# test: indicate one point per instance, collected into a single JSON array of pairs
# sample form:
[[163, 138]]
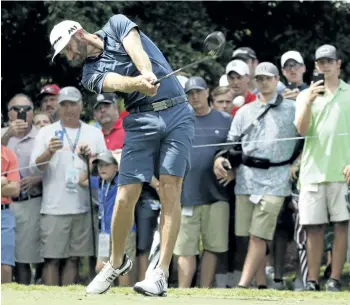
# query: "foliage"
[[178, 28]]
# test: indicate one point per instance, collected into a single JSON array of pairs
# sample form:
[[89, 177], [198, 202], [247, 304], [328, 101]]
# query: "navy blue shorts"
[[165, 135]]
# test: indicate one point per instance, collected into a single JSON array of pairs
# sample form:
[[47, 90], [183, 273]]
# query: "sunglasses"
[[19, 108]]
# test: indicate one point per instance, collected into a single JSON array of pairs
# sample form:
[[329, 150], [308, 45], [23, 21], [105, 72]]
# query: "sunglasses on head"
[[19, 108]]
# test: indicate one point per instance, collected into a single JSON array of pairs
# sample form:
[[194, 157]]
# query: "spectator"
[[41, 119], [107, 184], [65, 220], [260, 191], [10, 187], [323, 111], [48, 100], [205, 210], [20, 137], [248, 55], [107, 115], [293, 70], [237, 72], [222, 98]]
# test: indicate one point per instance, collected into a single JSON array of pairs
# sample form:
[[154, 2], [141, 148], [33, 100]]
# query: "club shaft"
[[183, 68]]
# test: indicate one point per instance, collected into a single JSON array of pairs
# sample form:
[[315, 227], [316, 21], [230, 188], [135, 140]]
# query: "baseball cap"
[[105, 156], [51, 89], [195, 82], [62, 33], [244, 53], [71, 94], [295, 55], [326, 51], [106, 98], [238, 66], [266, 68]]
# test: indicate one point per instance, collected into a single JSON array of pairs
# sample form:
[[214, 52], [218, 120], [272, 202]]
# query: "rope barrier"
[[211, 145]]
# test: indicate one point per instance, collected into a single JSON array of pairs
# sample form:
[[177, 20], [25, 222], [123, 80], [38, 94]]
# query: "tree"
[[178, 28]]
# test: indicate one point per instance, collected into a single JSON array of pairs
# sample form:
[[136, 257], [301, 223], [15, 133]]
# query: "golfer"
[[159, 132]]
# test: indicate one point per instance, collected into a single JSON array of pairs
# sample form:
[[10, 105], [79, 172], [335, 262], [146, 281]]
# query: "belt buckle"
[[158, 106]]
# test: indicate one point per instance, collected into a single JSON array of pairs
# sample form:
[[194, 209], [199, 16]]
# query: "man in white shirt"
[[66, 221]]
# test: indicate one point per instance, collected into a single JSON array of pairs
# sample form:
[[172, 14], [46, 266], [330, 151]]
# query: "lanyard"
[[103, 206], [72, 146]]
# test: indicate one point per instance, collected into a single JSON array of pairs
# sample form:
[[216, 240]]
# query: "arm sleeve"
[[100, 142], [121, 26], [299, 105], [13, 175], [236, 126], [38, 148], [93, 80]]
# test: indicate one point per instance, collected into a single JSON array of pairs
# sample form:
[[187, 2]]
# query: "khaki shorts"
[[28, 243], [211, 221], [130, 248], [64, 236], [257, 219], [324, 202]]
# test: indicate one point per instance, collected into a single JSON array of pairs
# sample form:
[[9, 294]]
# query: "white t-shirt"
[[57, 200]]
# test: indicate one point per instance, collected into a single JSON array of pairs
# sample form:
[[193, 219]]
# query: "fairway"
[[13, 294]]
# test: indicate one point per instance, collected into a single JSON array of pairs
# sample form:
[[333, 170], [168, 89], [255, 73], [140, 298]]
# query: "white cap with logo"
[[295, 55], [238, 66], [62, 33]]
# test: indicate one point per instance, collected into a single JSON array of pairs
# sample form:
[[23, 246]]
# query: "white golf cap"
[[62, 33], [295, 55], [238, 66]]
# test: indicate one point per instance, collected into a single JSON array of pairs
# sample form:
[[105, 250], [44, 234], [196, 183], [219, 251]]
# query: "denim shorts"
[[159, 140], [8, 237]]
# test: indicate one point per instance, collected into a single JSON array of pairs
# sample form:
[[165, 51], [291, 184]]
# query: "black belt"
[[159, 106], [25, 198], [5, 206]]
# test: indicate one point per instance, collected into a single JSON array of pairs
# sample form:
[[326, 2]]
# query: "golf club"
[[214, 46]]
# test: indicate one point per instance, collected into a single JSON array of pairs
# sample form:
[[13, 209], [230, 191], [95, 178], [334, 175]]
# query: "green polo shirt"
[[325, 157]]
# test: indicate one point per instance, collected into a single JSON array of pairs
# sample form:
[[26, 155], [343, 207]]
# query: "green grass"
[[13, 294]]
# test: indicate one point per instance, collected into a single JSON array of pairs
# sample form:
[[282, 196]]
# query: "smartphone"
[[317, 76], [22, 115], [59, 134], [292, 86]]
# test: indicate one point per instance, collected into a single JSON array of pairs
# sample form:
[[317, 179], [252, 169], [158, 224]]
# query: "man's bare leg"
[[70, 271], [51, 273], [143, 264], [123, 220], [169, 193], [6, 274], [208, 266], [340, 246], [314, 247], [254, 260], [186, 268]]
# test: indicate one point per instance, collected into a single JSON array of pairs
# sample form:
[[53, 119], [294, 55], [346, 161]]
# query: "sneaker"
[[298, 285], [155, 284], [279, 285], [333, 285], [103, 281], [312, 286]]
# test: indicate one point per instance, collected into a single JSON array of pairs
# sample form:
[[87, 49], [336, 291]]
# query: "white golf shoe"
[[155, 284], [103, 281]]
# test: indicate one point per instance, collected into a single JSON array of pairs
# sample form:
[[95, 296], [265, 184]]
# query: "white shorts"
[[323, 203]]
